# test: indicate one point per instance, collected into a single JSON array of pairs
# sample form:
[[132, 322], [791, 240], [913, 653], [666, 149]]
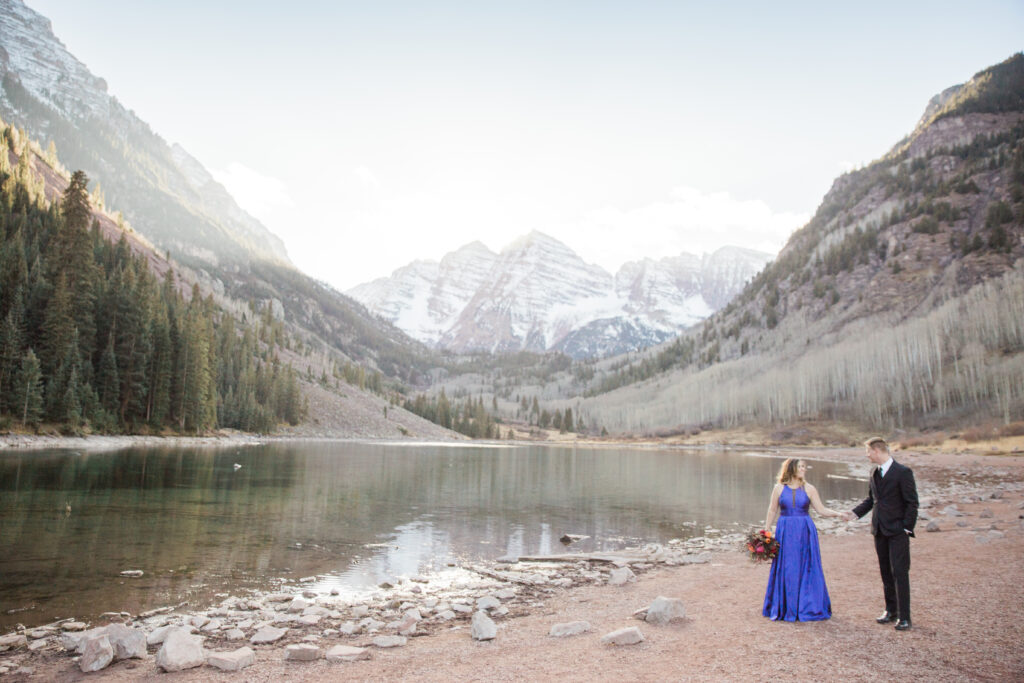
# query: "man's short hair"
[[877, 443]]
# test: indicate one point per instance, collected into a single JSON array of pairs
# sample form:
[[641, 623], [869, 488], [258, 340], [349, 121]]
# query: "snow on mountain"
[[538, 295], [29, 49], [45, 88]]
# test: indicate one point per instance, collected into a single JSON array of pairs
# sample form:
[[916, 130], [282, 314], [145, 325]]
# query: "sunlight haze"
[[367, 136]]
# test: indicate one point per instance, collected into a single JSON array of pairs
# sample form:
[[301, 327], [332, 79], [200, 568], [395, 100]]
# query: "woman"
[[796, 585]]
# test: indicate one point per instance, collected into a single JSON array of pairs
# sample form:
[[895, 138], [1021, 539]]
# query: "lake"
[[352, 514]]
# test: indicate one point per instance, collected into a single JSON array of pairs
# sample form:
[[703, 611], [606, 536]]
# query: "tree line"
[[92, 340]]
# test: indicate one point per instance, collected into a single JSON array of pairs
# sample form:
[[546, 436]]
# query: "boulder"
[[505, 594], [461, 608], [572, 628], [360, 611], [298, 604], [128, 643], [933, 526], [624, 636], [310, 619], [181, 650], [446, 615], [268, 634], [97, 653], [389, 641], [14, 641], [665, 610], [73, 626], [346, 653], [302, 652], [621, 576], [232, 661], [951, 511], [483, 627], [348, 628], [487, 602]]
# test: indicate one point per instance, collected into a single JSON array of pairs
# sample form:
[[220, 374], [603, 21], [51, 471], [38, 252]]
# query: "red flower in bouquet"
[[761, 545]]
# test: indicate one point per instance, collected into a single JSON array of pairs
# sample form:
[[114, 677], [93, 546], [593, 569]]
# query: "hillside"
[[901, 303], [175, 203]]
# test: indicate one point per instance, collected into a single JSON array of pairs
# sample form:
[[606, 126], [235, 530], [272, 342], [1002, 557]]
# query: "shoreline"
[[542, 591]]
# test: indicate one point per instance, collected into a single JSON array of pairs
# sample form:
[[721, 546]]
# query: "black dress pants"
[[894, 563]]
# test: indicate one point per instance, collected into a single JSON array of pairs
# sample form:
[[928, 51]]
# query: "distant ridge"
[[537, 294]]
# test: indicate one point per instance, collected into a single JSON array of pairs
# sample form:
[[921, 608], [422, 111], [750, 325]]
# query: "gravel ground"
[[965, 595]]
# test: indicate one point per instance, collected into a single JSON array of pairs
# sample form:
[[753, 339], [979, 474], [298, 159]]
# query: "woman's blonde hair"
[[787, 472]]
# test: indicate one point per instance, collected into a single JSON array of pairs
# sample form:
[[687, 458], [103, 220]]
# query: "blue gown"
[[796, 584]]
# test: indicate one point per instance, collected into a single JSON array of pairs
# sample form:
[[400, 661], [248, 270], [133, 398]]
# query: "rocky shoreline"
[[297, 623]]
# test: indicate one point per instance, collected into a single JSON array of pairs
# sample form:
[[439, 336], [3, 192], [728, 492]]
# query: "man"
[[892, 495]]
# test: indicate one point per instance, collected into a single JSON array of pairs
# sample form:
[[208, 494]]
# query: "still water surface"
[[353, 514]]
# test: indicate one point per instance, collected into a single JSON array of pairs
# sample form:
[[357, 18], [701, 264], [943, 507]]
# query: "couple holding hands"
[[796, 585]]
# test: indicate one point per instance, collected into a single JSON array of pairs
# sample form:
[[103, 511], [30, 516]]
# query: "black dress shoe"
[[886, 618], [904, 625]]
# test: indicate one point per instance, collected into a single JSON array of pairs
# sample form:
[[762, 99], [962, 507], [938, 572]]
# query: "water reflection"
[[354, 514]]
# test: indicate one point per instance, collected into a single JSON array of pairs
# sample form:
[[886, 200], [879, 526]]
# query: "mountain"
[[539, 295], [901, 302], [172, 200]]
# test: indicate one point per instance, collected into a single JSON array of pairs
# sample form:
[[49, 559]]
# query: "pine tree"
[[28, 389]]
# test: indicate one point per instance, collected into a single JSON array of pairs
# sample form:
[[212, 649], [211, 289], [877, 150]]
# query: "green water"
[[352, 514]]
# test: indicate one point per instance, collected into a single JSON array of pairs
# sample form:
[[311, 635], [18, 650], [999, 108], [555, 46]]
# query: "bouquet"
[[762, 546]]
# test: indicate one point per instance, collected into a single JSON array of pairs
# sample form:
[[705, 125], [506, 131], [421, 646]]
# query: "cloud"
[[690, 220], [261, 195]]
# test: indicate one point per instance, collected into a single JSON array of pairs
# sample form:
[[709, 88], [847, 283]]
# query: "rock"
[[37, 645], [346, 653], [665, 610], [505, 594], [97, 654], [180, 650], [298, 604], [38, 633], [73, 626], [309, 594], [302, 652], [369, 625], [213, 625], [996, 534], [157, 635], [348, 628], [932, 526], [508, 559], [986, 514], [982, 539], [407, 626], [951, 511], [962, 524], [461, 608], [483, 628], [310, 619], [700, 558], [232, 661], [389, 641], [199, 621], [487, 602], [278, 597], [134, 573], [446, 615], [268, 634], [572, 628], [234, 634], [128, 643], [13, 641], [621, 576], [624, 636]]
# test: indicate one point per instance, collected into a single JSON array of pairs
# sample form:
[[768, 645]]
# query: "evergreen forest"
[[92, 341]]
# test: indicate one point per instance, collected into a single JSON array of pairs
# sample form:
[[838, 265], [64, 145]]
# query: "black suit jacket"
[[893, 500]]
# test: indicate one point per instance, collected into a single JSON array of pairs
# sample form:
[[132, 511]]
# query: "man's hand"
[[849, 516]]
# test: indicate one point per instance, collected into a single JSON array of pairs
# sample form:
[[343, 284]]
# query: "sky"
[[370, 134]]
